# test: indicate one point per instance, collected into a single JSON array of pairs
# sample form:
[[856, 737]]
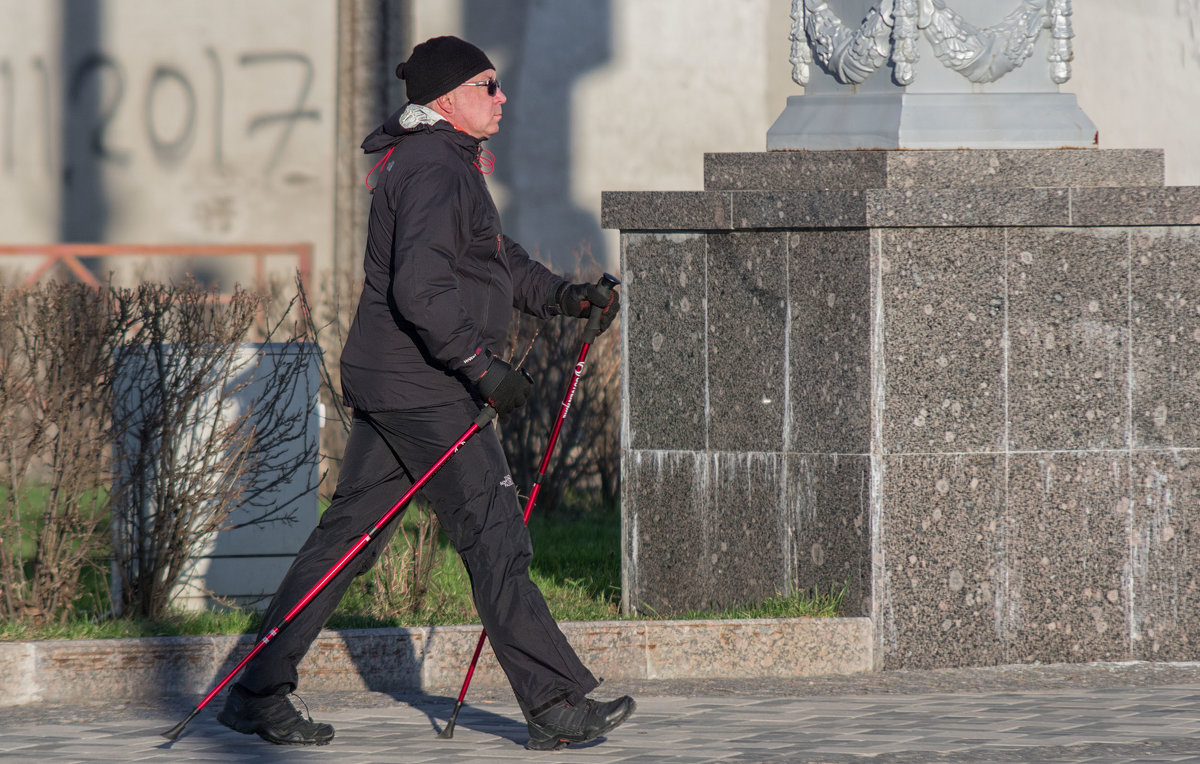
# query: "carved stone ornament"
[[891, 29]]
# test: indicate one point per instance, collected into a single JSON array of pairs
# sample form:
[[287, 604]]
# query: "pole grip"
[[485, 416], [605, 284]]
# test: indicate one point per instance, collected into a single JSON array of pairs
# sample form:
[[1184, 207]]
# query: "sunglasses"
[[492, 84]]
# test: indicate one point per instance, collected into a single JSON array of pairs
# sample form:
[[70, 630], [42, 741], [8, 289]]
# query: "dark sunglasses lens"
[[493, 86]]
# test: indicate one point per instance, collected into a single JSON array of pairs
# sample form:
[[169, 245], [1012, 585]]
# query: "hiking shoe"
[[271, 717], [565, 723]]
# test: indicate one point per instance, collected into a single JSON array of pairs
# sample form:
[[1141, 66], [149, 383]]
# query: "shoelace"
[[306, 715]]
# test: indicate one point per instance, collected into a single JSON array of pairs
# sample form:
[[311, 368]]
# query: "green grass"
[[180, 624], [576, 565], [31, 508]]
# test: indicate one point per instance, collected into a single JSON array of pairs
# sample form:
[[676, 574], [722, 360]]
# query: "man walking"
[[440, 282]]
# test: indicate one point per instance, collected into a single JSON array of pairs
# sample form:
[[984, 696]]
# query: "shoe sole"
[[553, 743], [280, 741]]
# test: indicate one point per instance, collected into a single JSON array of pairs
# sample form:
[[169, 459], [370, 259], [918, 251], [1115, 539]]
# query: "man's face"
[[476, 112]]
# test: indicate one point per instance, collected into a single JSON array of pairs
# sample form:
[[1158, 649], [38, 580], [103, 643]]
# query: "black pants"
[[477, 506]]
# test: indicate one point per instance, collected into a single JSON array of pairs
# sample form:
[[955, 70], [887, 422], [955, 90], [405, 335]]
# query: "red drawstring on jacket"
[[485, 161], [367, 180]]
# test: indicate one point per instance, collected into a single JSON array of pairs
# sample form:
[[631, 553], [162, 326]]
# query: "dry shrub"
[[327, 323], [199, 432], [56, 345], [131, 424], [60, 354], [584, 471], [401, 583]]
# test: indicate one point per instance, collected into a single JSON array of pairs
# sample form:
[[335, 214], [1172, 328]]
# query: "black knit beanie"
[[438, 66]]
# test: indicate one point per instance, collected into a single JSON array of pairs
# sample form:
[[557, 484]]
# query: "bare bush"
[[401, 583], [585, 468], [55, 345], [328, 325], [197, 433]]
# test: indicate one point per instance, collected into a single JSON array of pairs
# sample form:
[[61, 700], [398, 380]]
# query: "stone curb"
[[389, 660]]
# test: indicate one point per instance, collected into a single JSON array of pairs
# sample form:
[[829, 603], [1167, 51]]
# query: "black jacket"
[[440, 277]]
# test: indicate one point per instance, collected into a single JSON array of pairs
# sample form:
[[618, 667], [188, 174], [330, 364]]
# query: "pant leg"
[[476, 503], [371, 481]]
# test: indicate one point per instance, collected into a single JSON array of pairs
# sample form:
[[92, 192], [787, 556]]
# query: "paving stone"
[[1095, 713]]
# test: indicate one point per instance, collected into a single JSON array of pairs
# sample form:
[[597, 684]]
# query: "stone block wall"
[[960, 384]]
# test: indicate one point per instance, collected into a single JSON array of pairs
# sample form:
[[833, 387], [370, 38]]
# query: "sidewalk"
[[1129, 712]]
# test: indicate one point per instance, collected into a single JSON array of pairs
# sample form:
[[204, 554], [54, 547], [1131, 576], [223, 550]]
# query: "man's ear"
[[444, 104]]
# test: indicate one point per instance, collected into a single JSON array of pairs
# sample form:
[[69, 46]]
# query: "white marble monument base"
[[848, 120]]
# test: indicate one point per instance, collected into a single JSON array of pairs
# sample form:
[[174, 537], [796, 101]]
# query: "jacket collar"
[[415, 114], [414, 118]]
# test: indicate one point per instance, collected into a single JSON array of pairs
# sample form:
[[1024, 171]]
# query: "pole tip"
[[173, 733], [447, 731]]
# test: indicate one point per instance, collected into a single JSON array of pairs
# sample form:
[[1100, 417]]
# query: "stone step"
[[388, 660], [967, 169]]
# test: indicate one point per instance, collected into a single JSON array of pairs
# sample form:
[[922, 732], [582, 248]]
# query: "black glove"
[[504, 388], [577, 299]]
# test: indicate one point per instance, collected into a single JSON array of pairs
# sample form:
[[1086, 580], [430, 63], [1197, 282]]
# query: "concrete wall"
[[1135, 72], [224, 120], [186, 121], [181, 121]]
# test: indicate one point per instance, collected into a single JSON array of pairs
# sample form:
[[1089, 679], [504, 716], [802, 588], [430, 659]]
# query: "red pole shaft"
[[562, 414], [471, 671]]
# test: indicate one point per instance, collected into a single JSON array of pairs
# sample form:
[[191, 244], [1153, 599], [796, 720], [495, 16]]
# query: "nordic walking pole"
[[483, 420], [606, 284]]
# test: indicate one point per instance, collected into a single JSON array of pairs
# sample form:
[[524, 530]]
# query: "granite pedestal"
[[961, 385]]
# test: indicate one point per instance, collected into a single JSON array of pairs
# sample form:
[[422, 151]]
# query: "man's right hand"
[[504, 388], [578, 299]]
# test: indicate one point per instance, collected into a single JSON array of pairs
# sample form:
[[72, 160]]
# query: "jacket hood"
[[411, 119]]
